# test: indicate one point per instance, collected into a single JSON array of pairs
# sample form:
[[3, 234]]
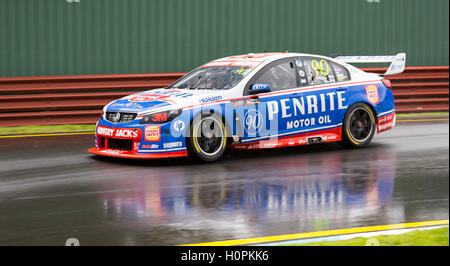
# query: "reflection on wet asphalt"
[[51, 189]]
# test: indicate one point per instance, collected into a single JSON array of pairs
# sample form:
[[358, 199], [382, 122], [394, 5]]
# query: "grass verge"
[[433, 114], [431, 237]]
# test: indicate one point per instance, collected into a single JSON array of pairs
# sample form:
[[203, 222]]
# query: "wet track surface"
[[51, 189]]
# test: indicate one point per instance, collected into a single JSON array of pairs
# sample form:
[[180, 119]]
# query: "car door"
[[315, 106], [262, 116]]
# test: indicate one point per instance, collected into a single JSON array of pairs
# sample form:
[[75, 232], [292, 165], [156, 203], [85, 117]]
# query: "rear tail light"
[[387, 83]]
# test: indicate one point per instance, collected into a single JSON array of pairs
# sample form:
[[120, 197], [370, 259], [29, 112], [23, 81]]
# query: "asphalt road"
[[51, 189]]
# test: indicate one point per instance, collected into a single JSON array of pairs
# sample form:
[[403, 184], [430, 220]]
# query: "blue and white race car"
[[253, 101]]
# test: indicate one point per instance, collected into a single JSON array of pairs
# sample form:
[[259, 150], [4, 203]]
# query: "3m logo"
[[372, 93], [159, 117], [152, 133]]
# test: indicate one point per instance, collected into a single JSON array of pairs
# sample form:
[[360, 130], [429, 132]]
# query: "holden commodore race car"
[[252, 101]]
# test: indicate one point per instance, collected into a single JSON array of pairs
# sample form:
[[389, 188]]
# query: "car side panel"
[[283, 117], [375, 94]]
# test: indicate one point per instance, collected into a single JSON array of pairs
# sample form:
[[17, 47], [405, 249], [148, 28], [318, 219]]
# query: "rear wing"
[[397, 66]]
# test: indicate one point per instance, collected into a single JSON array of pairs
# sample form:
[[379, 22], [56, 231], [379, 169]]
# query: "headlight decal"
[[160, 117]]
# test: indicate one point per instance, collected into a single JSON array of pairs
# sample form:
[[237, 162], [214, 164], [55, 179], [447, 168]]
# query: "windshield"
[[221, 78]]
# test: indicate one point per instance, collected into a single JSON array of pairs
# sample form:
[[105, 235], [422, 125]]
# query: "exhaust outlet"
[[314, 140]]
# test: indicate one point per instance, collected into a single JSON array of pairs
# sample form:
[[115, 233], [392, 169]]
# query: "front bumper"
[[137, 141]]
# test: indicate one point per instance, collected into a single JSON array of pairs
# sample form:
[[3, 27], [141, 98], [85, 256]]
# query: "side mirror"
[[259, 88]]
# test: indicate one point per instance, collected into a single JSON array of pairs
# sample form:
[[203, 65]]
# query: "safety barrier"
[[69, 99], [420, 89], [78, 99]]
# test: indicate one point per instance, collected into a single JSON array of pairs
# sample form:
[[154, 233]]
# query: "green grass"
[[432, 237], [45, 129]]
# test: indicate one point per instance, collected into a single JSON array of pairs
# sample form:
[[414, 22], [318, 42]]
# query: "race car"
[[252, 101]]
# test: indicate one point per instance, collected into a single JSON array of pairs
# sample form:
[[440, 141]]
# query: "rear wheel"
[[208, 139], [359, 126]]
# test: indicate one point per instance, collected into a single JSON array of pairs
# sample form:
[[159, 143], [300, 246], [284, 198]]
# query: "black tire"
[[208, 138], [359, 126]]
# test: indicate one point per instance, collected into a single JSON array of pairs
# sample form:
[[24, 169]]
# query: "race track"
[[51, 189]]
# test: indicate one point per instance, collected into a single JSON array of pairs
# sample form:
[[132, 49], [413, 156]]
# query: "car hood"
[[163, 99]]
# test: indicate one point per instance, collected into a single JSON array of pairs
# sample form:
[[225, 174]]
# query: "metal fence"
[[85, 37]]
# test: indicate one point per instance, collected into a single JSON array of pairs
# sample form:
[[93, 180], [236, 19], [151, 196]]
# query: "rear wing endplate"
[[397, 66]]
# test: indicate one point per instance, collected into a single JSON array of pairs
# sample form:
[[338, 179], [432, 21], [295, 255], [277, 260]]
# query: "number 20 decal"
[[319, 67]]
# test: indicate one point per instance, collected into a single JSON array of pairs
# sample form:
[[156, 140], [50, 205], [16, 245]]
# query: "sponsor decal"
[[162, 95], [152, 133], [105, 131], [242, 70], [372, 93], [249, 60], [136, 145], [179, 125], [126, 105], [366, 58], [174, 93], [301, 73], [171, 145], [152, 146], [301, 139], [237, 63], [325, 119], [149, 98], [309, 104], [386, 122], [159, 117], [253, 122], [114, 151], [296, 112], [210, 99], [237, 103], [124, 133]]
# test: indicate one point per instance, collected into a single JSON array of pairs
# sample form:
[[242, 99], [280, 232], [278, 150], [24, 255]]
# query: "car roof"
[[254, 59]]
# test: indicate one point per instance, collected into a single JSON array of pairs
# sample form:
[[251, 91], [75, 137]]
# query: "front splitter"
[[121, 154]]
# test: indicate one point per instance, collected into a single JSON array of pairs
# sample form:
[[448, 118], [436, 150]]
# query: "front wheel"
[[359, 126], [207, 140]]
